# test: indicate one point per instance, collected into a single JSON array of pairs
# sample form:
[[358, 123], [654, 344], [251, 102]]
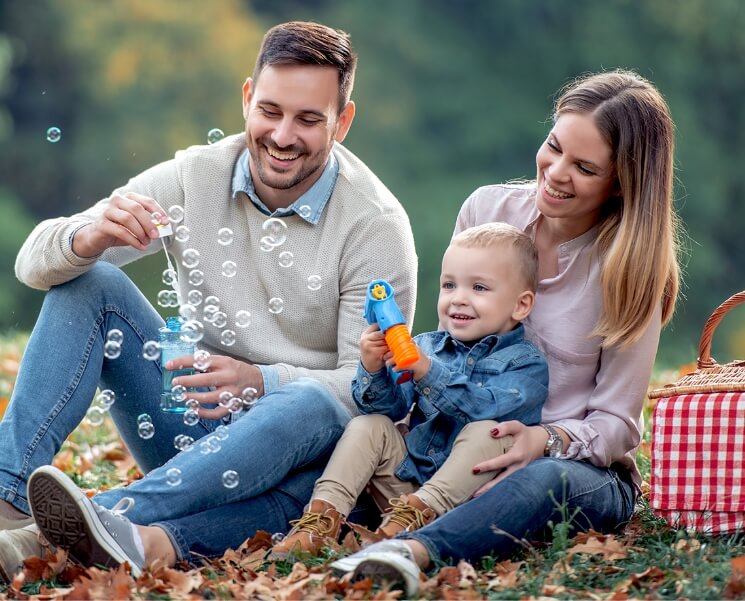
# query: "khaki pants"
[[371, 449]]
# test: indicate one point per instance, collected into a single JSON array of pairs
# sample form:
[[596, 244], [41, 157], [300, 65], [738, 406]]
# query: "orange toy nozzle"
[[402, 346]]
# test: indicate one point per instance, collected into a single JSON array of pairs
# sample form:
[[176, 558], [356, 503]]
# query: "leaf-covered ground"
[[648, 560]]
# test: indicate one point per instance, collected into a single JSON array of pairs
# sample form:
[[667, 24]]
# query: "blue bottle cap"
[[173, 324]]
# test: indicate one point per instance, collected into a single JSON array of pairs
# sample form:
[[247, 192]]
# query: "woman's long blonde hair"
[[639, 235]]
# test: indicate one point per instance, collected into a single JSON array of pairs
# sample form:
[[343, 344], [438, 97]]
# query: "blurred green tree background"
[[451, 95]]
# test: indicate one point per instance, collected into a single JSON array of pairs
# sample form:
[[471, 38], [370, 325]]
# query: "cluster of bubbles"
[[101, 404], [145, 427], [54, 134], [112, 347]]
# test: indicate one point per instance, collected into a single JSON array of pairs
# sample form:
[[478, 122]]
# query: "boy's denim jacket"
[[501, 377]]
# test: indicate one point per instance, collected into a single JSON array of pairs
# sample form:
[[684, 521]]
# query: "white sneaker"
[[388, 560]]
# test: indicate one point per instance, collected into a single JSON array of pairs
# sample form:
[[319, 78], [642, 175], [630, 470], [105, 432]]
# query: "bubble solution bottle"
[[171, 346]]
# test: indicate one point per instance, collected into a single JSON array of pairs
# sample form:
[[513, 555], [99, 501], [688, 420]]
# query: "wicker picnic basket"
[[698, 442]]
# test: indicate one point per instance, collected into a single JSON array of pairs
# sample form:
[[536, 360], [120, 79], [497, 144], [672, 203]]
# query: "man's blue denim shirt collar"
[[315, 198], [489, 343]]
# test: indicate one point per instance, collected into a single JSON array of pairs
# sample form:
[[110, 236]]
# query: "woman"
[[601, 215]]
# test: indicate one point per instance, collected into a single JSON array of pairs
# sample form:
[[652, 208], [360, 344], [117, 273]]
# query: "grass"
[[648, 560]]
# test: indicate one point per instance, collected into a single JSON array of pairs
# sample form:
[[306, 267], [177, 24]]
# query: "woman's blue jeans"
[[278, 448], [520, 507]]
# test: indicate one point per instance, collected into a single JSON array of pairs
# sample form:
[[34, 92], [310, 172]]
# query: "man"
[[288, 186]]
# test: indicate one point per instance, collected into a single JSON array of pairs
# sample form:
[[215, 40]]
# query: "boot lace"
[[313, 522], [405, 515]]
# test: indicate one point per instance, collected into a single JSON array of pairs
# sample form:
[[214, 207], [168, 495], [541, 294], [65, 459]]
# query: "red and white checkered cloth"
[[698, 461]]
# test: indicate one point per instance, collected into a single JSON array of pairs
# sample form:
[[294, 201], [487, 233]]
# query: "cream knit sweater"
[[363, 234]]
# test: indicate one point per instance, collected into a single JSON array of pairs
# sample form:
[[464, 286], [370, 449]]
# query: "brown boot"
[[318, 527], [407, 513]]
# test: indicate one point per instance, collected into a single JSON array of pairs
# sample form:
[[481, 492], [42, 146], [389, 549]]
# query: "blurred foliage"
[[451, 95]]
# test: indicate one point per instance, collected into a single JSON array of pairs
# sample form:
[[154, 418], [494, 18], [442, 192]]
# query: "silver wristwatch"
[[554, 444]]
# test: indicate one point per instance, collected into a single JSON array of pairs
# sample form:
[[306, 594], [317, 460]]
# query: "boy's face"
[[480, 292]]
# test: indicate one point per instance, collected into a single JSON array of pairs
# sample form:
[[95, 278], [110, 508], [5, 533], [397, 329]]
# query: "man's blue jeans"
[[278, 448], [521, 506]]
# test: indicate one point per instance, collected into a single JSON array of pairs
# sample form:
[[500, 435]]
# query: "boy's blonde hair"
[[493, 235]]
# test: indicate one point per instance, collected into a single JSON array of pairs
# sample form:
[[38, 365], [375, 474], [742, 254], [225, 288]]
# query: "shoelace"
[[315, 523], [122, 506], [405, 515]]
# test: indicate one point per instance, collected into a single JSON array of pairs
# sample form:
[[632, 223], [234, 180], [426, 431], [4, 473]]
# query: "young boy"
[[477, 369]]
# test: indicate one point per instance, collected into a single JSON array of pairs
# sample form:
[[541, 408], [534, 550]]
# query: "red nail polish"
[[476, 470], [495, 432]]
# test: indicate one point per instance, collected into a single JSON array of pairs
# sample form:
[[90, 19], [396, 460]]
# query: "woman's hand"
[[529, 444], [223, 374], [126, 221]]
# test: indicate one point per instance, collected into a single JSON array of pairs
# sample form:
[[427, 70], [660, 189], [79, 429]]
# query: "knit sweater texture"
[[363, 234]]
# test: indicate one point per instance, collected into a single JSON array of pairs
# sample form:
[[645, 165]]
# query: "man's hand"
[[127, 221], [224, 374], [529, 444]]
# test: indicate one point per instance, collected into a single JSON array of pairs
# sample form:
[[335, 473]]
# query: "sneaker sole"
[[385, 566], [65, 517]]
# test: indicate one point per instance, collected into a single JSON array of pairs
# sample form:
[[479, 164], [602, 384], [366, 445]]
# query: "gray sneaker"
[[388, 560], [67, 518], [17, 545]]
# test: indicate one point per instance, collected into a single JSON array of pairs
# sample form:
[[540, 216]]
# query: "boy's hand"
[[421, 367], [373, 349]]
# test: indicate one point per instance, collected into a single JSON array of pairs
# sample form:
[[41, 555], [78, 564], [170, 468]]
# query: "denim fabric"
[[291, 430], [521, 506], [501, 377]]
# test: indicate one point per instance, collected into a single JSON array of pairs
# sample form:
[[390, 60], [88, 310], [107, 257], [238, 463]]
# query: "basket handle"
[[704, 346]]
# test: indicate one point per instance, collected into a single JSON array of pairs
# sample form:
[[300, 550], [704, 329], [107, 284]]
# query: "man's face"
[[292, 120]]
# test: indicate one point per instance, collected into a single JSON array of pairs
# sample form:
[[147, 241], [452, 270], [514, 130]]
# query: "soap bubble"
[[192, 404], [225, 236], [182, 233], [194, 297], [212, 300], [146, 430], [276, 230], [227, 337], [183, 442], [155, 217], [201, 360], [151, 350], [314, 282], [196, 277], [229, 269], [144, 417], [304, 211], [220, 319], [190, 258], [224, 397], [179, 392], [95, 416], [286, 258], [164, 298], [242, 319], [169, 276], [115, 336], [230, 479], [192, 331], [276, 305], [187, 311], [249, 393], [266, 244], [215, 135], [191, 417], [278, 537], [106, 398], [176, 213], [204, 447], [54, 134], [221, 432], [173, 476], [235, 405], [112, 350]]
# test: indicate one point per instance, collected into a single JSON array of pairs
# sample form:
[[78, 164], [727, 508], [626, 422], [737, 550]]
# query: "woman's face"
[[576, 174]]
